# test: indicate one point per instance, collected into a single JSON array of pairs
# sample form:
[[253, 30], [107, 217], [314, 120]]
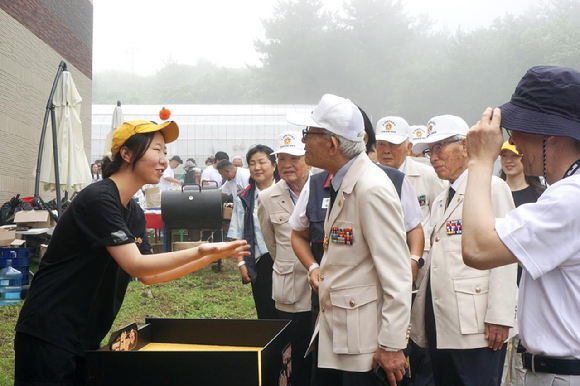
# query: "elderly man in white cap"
[[393, 148], [463, 315], [364, 286], [394, 144], [290, 287], [416, 134]]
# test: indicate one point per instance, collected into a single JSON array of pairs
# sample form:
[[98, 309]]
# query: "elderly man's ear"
[[334, 146], [463, 144]]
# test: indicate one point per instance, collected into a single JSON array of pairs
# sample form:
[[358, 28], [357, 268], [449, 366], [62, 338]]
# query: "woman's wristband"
[[240, 263]]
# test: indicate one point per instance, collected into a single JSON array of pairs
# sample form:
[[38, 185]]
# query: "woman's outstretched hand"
[[237, 248]]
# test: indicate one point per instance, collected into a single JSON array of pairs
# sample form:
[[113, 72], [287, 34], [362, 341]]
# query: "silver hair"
[[348, 148]]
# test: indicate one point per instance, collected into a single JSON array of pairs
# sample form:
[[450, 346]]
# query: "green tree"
[[293, 52]]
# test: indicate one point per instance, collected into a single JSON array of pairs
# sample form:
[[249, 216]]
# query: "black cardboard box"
[[264, 366]]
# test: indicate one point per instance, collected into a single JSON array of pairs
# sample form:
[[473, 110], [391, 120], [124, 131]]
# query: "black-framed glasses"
[[435, 148], [306, 132]]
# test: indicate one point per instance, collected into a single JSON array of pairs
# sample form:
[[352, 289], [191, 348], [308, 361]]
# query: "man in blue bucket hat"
[[543, 122]]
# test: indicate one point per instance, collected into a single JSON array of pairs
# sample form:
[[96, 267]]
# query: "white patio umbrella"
[[74, 169], [118, 120]]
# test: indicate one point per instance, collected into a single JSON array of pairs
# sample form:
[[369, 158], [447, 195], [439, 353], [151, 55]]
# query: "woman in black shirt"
[[99, 243], [525, 189]]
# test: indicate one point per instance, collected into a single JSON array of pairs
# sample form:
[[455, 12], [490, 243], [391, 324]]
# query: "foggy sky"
[[140, 36]]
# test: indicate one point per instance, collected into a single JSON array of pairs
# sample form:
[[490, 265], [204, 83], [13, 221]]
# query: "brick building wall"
[[35, 35]]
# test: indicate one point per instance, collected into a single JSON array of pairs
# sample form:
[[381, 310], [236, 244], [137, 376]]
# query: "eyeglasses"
[[306, 132], [435, 148]]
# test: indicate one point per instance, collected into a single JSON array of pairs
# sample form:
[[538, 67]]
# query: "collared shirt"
[[544, 237], [336, 179], [411, 210], [402, 167], [298, 220], [293, 195], [236, 230], [459, 180]]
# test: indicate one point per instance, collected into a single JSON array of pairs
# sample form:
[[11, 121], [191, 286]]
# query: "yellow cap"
[[169, 129], [508, 146]]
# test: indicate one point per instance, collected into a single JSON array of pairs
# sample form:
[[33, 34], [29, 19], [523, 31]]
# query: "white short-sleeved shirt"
[[411, 209], [163, 183], [211, 174], [545, 238], [238, 184]]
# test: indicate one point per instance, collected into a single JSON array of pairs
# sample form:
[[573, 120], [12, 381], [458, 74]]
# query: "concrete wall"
[[35, 35]]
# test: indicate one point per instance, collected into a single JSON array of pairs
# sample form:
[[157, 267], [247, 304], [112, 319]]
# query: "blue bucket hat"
[[545, 102]]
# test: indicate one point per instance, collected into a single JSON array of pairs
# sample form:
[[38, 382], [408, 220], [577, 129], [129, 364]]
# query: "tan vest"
[[290, 285]]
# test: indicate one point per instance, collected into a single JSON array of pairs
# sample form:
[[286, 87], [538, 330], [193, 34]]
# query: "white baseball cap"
[[417, 133], [392, 129], [290, 142], [440, 128], [338, 115]]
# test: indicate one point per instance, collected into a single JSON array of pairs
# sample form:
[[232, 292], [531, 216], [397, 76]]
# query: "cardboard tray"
[[34, 218], [135, 367]]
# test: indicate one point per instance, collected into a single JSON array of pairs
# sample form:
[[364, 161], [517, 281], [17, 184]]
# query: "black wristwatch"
[[420, 261]]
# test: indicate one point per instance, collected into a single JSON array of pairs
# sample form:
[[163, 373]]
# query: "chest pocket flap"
[[353, 297], [279, 218]]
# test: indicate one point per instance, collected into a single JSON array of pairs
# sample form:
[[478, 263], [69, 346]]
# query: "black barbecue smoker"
[[195, 208]]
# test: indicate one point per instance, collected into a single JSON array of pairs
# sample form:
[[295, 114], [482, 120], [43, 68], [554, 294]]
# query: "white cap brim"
[[302, 119], [423, 144], [392, 138], [296, 152]]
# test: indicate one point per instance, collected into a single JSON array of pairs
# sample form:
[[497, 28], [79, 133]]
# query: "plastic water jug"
[[10, 283]]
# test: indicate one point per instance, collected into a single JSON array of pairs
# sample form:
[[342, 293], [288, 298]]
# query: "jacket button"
[[477, 289], [339, 204], [322, 309], [321, 277], [351, 303], [280, 218], [437, 239]]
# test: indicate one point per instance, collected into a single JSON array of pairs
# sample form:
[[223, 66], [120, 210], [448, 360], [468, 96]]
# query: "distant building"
[[205, 129], [35, 36]]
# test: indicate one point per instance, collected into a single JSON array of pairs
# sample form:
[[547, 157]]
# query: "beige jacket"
[[365, 288], [428, 186], [464, 298], [290, 285]]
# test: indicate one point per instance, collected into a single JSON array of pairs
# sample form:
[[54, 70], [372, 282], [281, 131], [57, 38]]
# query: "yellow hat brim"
[[508, 146], [169, 130]]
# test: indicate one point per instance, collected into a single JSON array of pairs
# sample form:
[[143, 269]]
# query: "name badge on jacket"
[[341, 235], [325, 202], [454, 227]]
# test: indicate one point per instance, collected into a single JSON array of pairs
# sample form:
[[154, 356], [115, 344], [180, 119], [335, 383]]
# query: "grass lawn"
[[200, 295]]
